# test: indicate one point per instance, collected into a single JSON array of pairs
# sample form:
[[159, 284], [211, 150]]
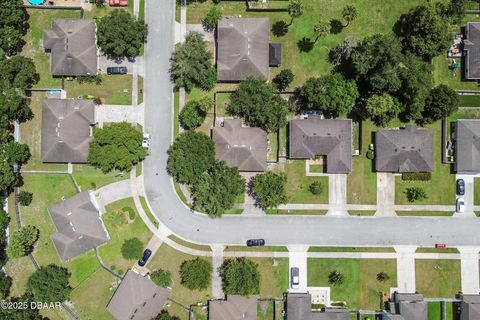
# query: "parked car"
[[295, 277], [146, 254], [255, 242], [440, 245], [460, 187], [116, 70], [146, 141], [460, 207]]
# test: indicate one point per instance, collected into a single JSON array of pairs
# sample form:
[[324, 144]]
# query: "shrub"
[[161, 278], [415, 194], [382, 277], [416, 176], [335, 278], [25, 198], [315, 188], [132, 249], [195, 274], [370, 154]]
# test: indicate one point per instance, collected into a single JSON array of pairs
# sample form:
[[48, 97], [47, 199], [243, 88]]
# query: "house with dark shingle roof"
[[406, 149], [314, 136], [242, 147], [137, 298], [79, 225], [73, 48], [299, 307], [406, 306], [242, 48], [470, 307], [67, 130], [234, 307], [467, 146], [471, 51]]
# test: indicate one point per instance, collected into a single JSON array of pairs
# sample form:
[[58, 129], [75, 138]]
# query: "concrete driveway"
[[297, 258], [119, 113], [385, 194], [469, 269], [104, 62], [406, 269], [337, 194], [469, 194]]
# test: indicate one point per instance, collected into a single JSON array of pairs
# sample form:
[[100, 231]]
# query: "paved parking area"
[[297, 257]]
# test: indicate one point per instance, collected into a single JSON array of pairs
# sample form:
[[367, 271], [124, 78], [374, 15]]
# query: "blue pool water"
[[36, 2]]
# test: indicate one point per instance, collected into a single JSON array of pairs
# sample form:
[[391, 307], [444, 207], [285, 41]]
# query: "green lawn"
[[469, 101], [150, 215], [476, 190], [261, 249], [425, 213], [360, 289], [89, 177], [114, 89], [438, 278], [298, 184], [351, 249], [361, 213], [436, 250], [362, 181], [273, 276], [443, 75], [190, 244], [297, 212], [441, 188]]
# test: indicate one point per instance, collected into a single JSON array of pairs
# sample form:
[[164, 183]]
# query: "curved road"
[[278, 230]]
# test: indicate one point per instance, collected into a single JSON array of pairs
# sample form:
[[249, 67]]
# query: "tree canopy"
[[332, 94], [349, 13], [441, 102], [295, 9], [270, 188], [283, 79], [5, 284], [240, 276], [217, 189], [194, 112], [191, 64], [164, 315], [382, 109], [50, 284], [211, 18], [255, 101], [196, 274], [21, 313], [121, 35], [14, 153], [7, 177], [117, 146], [22, 241], [13, 25], [191, 154], [132, 249], [161, 278]]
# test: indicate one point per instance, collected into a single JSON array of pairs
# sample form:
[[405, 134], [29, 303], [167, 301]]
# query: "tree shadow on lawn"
[[280, 28], [305, 44], [336, 26]]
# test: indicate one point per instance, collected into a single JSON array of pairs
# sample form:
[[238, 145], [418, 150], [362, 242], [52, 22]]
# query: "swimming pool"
[[36, 2]]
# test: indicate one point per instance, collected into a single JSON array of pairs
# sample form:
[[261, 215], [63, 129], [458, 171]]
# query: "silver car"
[[295, 277]]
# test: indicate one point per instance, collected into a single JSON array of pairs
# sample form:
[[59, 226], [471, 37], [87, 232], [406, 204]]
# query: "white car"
[[146, 141], [460, 207], [294, 278]]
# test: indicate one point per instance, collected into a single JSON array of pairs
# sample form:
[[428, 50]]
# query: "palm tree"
[[382, 277], [295, 9], [349, 13], [321, 29]]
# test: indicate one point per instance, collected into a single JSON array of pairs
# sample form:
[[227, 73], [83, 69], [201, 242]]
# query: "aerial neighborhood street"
[[232, 159]]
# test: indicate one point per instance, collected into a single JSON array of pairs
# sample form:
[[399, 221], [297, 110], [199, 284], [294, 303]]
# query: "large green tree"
[[161, 278], [117, 146], [164, 315], [132, 249], [14, 152], [382, 108], [255, 100], [295, 9], [7, 177], [270, 189], [194, 112], [283, 79], [332, 94], [196, 274], [441, 102], [5, 284], [211, 18], [191, 154], [22, 241], [217, 188], [240, 276], [50, 284], [191, 64], [120, 34], [13, 25], [21, 313], [423, 32]]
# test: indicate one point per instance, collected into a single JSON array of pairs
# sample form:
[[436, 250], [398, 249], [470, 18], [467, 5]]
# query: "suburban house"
[[242, 48], [233, 307], [299, 307], [73, 48], [242, 147], [406, 306], [471, 51], [67, 130], [79, 225], [467, 146], [470, 306], [137, 298], [406, 149], [332, 138]]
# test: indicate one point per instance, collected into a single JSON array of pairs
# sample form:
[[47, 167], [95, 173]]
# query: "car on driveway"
[[116, 70], [295, 277], [255, 242], [146, 141], [146, 254], [460, 187], [460, 207]]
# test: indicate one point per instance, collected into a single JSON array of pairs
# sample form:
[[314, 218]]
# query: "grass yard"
[[298, 184], [140, 90], [114, 89], [120, 230], [351, 249], [150, 215], [443, 75], [360, 289], [436, 250], [261, 249], [190, 244], [476, 191], [469, 101], [169, 259], [361, 213], [441, 188], [89, 177], [438, 278], [425, 213], [296, 212], [362, 181], [273, 276]]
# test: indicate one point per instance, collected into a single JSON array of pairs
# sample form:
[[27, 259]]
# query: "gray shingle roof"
[[79, 225], [470, 307], [242, 147], [66, 130], [471, 49], [73, 48], [242, 48], [329, 137], [408, 306], [233, 308], [299, 307], [137, 298], [404, 150], [275, 54], [467, 146]]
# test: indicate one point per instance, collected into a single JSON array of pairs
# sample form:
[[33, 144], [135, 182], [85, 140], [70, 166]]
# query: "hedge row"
[[416, 176]]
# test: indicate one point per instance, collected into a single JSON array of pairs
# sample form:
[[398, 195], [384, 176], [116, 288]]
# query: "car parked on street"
[[146, 254], [116, 70], [460, 207], [255, 242], [295, 277], [460, 187], [146, 141]]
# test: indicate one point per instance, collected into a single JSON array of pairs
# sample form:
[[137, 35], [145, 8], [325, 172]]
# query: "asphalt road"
[[279, 230]]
